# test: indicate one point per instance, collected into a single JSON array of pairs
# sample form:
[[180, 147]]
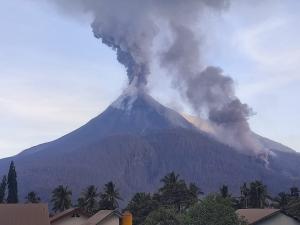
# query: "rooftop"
[[24, 214], [255, 215]]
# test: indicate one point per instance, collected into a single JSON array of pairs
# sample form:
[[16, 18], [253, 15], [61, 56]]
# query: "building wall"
[[69, 220], [279, 219], [112, 220]]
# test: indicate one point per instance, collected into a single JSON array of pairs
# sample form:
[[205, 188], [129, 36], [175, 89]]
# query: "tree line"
[[9, 182], [90, 201], [175, 202]]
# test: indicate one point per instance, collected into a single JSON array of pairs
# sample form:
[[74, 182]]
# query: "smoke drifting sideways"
[[130, 28]]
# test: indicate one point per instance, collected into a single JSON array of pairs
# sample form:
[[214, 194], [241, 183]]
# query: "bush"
[[213, 210], [163, 216]]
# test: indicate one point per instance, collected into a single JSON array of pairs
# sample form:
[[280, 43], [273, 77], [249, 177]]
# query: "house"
[[266, 217], [105, 217], [24, 214], [71, 216], [77, 217]]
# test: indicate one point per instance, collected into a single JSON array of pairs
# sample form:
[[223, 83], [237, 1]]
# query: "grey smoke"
[[233, 112], [130, 28], [207, 89]]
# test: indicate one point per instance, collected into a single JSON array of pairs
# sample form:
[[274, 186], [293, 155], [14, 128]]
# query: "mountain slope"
[[134, 143], [273, 144], [204, 126], [133, 112]]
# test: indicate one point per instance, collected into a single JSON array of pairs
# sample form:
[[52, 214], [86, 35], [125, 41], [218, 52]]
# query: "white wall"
[[279, 219], [69, 220], [112, 220]]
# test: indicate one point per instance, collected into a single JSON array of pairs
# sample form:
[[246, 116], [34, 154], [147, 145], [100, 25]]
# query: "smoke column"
[[130, 28]]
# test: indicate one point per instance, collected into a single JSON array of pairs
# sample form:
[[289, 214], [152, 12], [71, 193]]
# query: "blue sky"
[[55, 76]]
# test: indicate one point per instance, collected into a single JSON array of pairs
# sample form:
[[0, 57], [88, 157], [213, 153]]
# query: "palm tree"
[[282, 199], [174, 192], [245, 192], [170, 180], [294, 192], [88, 200], [32, 197], [141, 205], [61, 198], [224, 191], [258, 194], [194, 192], [110, 197]]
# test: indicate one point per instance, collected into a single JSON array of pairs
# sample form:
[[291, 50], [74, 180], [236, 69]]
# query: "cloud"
[[273, 43]]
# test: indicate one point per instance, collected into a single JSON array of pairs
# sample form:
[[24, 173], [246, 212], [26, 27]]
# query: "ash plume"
[[130, 28]]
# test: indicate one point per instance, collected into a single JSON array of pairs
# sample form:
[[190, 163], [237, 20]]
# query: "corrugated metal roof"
[[101, 215], [24, 214], [254, 215], [62, 214]]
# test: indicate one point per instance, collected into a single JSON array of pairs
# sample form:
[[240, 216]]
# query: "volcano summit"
[[135, 142]]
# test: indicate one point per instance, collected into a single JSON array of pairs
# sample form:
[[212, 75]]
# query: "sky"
[[55, 76]]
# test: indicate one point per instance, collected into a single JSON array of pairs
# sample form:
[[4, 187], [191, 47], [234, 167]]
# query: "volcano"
[[134, 143]]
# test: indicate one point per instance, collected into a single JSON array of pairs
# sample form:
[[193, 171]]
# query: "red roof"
[[255, 215]]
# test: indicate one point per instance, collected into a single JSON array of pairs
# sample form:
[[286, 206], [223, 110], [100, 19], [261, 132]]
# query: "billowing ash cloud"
[[130, 28]]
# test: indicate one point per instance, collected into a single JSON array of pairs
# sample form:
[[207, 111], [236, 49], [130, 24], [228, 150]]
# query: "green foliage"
[[81, 203], [163, 216], [61, 198], [294, 192], [12, 184], [193, 194], [3, 186], [293, 203], [167, 205], [224, 192], [245, 194], [175, 193], [254, 196], [213, 210], [32, 197], [141, 205], [282, 199], [88, 201], [258, 194], [110, 197], [293, 208]]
